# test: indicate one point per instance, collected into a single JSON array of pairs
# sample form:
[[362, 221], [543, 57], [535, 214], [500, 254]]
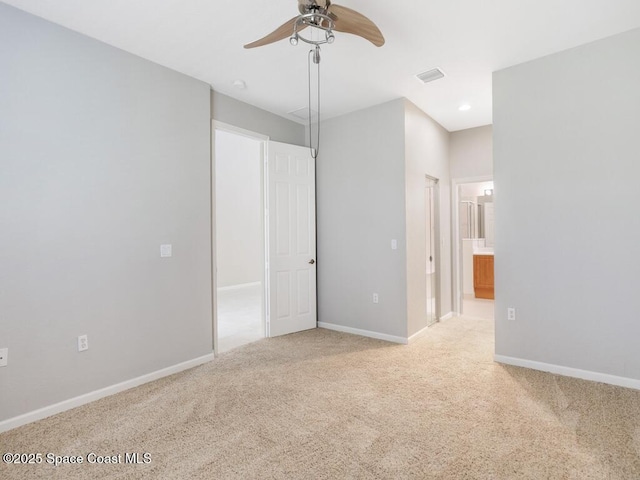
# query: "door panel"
[[283, 220], [292, 239]]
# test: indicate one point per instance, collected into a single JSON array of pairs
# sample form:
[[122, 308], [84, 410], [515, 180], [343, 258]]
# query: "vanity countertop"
[[483, 251]]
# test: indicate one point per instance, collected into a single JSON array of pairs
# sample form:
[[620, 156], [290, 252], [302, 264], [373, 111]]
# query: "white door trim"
[[436, 240], [227, 127]]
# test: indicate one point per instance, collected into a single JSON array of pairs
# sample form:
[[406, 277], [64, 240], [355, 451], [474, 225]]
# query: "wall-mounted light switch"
[[165, 251], [4, 357]]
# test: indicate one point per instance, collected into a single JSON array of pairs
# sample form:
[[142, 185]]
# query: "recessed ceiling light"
[[464, 107], [239, 84]]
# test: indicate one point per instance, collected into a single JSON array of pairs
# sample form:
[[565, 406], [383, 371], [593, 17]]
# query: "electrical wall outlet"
[[511, 313], [4, 357], [375, 298], [83, 343], [166, 251]]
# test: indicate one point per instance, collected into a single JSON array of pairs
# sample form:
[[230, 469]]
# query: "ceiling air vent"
[[303, 114], [430, 76]]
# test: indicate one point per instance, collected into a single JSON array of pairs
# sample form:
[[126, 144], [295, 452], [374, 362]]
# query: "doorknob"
[[312, 261]]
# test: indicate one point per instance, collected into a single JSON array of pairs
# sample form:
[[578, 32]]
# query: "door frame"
[[263, 139], [457, 250], [436, 240]]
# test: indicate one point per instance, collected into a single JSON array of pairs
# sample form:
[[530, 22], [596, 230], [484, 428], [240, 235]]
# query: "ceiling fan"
[[326, 16]]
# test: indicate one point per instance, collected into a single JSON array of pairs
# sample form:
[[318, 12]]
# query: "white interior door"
[[291, 239]]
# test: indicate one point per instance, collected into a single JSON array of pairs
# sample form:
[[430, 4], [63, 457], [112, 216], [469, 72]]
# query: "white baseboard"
[[238, 287], [363, 333], [422, 332], [570, 372], [98, 394], [377, 335], [447, 316], [418, 334]]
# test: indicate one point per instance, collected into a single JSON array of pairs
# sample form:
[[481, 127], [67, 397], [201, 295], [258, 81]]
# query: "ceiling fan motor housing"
[[308, 6]]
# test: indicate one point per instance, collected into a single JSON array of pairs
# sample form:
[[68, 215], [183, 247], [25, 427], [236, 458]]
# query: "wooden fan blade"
[[283, 31], [350, 21]]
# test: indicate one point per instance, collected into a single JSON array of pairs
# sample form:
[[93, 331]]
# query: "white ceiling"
[[467, 39]]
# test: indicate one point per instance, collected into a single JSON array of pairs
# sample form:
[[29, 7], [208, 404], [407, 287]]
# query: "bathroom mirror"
[[476, 212]]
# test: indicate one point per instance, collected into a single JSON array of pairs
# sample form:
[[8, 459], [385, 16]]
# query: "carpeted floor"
[[326, 405]]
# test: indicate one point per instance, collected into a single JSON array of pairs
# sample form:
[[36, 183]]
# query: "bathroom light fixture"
[[464, 107], [488, 192]]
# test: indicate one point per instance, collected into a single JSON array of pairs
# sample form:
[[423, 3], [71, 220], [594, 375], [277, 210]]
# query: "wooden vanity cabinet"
[[483, 276]]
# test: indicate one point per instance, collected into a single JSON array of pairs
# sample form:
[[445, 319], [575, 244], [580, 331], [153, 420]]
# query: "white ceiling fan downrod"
[[317, 21]]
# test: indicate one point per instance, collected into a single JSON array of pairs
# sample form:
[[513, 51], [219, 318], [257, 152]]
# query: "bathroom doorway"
[[474, 247]]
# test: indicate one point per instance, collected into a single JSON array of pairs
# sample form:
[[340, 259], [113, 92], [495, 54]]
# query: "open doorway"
[[474, 238], [264, 241], [240, 238], [431, 250]]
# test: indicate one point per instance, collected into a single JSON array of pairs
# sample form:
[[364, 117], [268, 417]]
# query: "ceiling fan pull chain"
[[315, 55]]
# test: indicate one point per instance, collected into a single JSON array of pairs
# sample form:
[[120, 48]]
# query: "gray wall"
[[426, 153], [239, 114], [361, 206], [371, 189], [471, 152], [104, 156], [566, 130]]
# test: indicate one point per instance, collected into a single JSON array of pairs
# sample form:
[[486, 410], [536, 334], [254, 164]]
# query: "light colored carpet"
[[326, 405]]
